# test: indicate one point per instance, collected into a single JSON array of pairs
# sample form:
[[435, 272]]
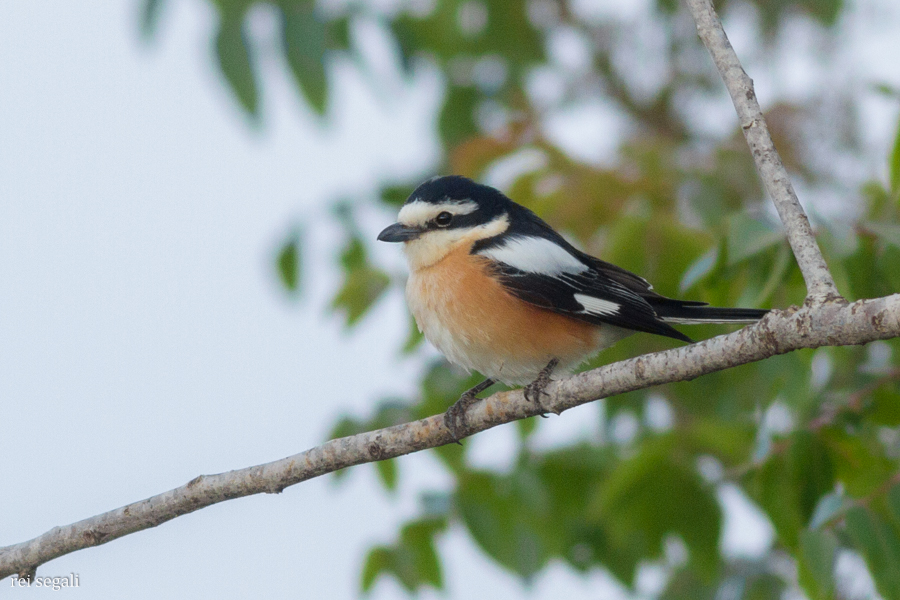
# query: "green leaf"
[[773, 14], [570, 477], [441, 386], [505, 515], [818, 551], [150, 17], [791, 482], [826, 509], [886, 89], [413, 561], [507, 33], [623, 242], [526, 427], [387, 472], [379, 560], [739, 579], [766, 586], [826, 11], [289, 263], [747, 236], [699, 269], [859, 460], [363, 284], [886, 268], [865, 282], [354, 254], [788, 376], [783, 261], [657, 493], [395, 195], [729, 441], [894, 167], [304, 37], [346, 427], [879, 544], [414, 338], [417, 540], [236, 62], [457, 119], [682, 246], [893, 504], [885, 408]]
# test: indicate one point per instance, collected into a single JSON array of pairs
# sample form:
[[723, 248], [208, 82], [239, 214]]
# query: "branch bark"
[[819, 282], [827, 324]]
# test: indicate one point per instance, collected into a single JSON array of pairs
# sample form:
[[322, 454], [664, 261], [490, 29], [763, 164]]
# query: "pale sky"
[[144, 339]]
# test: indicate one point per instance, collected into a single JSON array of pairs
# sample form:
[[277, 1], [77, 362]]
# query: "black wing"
[[596, 291], [590, 295]]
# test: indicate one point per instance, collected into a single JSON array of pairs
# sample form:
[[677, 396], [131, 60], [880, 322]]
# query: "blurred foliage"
[[288, 262], [812, 438]]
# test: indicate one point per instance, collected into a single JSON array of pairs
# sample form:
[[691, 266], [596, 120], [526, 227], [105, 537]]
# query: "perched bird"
[[497, 290]]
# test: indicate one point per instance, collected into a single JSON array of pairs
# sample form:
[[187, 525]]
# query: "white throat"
[[432, 246]]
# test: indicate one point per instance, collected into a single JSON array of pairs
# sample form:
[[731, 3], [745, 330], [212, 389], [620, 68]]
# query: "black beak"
[[399, 232]]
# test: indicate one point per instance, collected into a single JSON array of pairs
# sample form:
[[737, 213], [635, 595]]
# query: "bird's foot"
[[534, 390], [455, 417]]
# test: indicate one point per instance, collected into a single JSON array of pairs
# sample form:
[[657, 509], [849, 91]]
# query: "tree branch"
[[819, 282], [826, 324]]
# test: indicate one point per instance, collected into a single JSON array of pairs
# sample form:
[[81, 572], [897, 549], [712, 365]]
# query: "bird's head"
[[444, 214]]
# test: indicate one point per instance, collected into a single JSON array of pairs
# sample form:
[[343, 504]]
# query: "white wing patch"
[[597, 306], [535, 255]]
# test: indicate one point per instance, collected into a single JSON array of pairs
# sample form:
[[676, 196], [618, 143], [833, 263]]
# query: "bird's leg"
[[455, 417], [534, 389]]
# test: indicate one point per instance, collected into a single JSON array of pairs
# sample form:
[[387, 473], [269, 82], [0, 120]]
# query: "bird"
[[497, 290]]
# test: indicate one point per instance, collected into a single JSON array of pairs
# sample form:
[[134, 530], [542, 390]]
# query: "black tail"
[[690, 313]]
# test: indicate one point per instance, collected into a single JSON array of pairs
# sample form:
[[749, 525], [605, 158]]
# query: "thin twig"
[[819, 282]]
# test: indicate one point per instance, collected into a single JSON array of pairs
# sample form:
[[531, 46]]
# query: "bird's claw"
[[455, 417], [534, 390]]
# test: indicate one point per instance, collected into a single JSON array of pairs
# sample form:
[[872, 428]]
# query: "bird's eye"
[[443, 219]]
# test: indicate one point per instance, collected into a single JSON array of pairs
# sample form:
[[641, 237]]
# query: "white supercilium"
[[417, 212]]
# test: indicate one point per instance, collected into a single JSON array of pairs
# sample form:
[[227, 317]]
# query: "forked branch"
[[819, 282]]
